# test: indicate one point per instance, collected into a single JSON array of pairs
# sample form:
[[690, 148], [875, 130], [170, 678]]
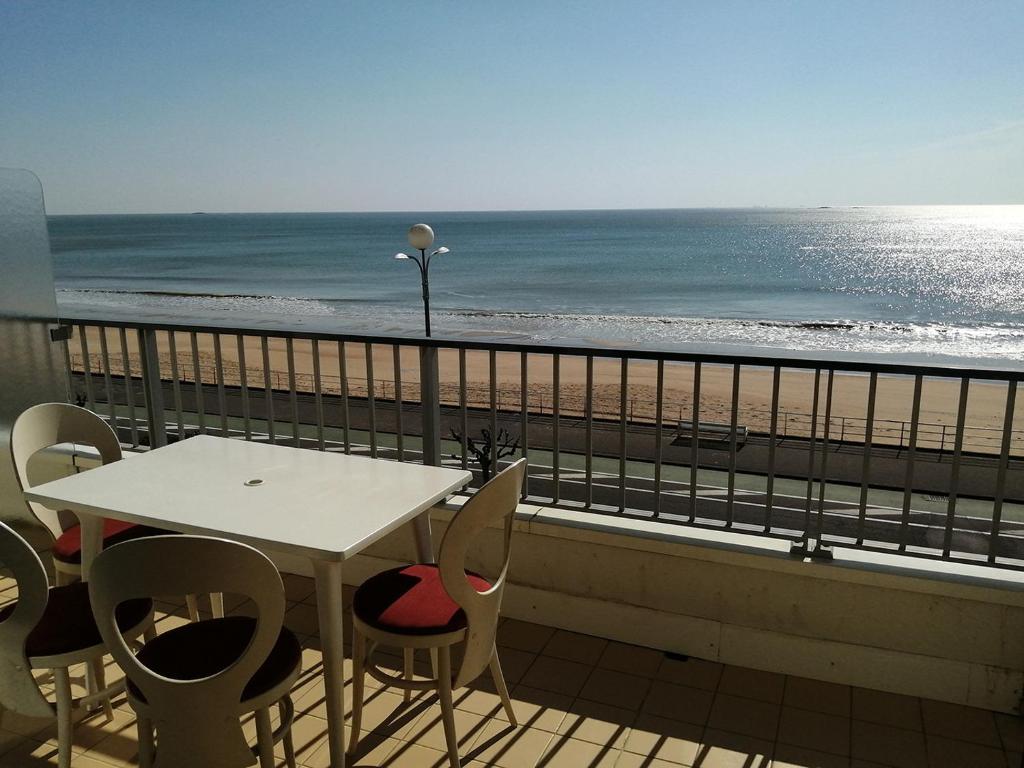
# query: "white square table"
[[324, 506]]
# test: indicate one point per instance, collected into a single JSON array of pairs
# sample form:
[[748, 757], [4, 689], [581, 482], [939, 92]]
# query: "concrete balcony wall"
[[914, 627]]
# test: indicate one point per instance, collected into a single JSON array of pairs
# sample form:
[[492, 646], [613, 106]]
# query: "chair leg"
[[62, 578], [286, 740], [499, 683], [265, 738], [407, 657], [358, 662], [433, 662], [217, 604], [193, 607], [444, 690], [145, 729], [99, 676], [62, 684], [149, 633]]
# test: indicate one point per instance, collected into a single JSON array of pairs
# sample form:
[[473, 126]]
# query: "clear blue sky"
[[280, 106]]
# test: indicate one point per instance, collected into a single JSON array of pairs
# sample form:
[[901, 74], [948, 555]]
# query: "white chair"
[[195, 682], [438, 606], [53, 628], [49, 424]]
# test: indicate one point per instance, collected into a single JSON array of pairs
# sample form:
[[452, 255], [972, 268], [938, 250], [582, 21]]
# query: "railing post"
[[152, 388], [430, 410]]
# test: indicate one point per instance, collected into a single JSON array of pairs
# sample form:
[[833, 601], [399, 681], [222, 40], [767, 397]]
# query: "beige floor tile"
[[696, 673], [586, 649], [297, 588], [428, 730], [729, 750], [888, 745], [1011, 731], [308, 734], [670, 740], [412, 755], [956, 722], [479, 698], [631, 760], [817, 696], [619, 689], [597, 723], [9, 741], [514, 664], [523, 636], [385, 713], [952, 753], [678, 702], [815, 730], [789, 756], [557, 675], [633, 659], [537, 709], [752, 684], [749, 717], [564, 752], [373, 751], [886, 708], [502, 745], [302, 619], [1014, 759]]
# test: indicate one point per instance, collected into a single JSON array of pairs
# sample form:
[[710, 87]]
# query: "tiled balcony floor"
[[586, 702]]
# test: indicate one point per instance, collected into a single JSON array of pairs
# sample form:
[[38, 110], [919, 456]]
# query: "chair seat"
[[412, 601], [204, 648], [68, 547], [67, 624]]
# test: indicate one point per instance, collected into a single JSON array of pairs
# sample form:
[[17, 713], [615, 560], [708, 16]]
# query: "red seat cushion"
[[67, 624], [412, 601], [68, 547], [205, 648]]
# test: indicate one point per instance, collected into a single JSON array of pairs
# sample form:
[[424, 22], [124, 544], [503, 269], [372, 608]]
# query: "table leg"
[[421, 531], [331, 616], [92, 541]]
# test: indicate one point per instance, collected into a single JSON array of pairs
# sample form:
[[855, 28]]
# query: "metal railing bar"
[[767, 360], [954, 470], [908, 485], [198, 379], [623, 424], [1004, 460], [268, 390], [773, 436], [108, 384], [343, 388], [694, 442], [810, 453], [524, 417], [589, 437], [83, 343], [129, 386], [243, 386], [399, 427], [65, 346], [492, 373], [862, 511], [464, 410], [222, 403], [318, 396], [556, 405], [825, 434], [172, 348], [371, 401], [660, 392], [730, 500], [292, 392]]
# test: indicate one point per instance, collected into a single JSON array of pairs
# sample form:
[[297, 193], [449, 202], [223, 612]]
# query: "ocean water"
[[910, 283]]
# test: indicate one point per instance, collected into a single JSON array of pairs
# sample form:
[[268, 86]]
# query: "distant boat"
[[198, 213]]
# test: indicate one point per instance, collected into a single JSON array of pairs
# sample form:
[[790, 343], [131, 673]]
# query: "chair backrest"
[[497, 500], [18, 689], [197, 721], [48, 424]]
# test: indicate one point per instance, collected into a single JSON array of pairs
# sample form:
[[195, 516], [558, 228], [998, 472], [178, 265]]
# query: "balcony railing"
[[917, 459]]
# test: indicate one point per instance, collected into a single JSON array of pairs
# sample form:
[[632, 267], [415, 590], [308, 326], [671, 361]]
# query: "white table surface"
[[326, 506]]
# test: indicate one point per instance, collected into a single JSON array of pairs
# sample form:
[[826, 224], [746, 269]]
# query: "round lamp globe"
[[421, 236]]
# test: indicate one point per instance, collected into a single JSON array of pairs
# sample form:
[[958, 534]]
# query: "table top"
[[322, 505]]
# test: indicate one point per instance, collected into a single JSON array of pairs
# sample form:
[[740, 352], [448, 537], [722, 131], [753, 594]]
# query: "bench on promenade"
[[710, 434]]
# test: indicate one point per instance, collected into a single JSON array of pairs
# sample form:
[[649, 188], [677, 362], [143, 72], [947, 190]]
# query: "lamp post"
[[421, 237]]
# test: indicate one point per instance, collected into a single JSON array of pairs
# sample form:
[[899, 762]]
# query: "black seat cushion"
[[67, 624], [204, 648]]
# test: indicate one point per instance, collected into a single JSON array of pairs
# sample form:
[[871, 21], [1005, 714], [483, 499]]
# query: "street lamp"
[[421, 237]]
